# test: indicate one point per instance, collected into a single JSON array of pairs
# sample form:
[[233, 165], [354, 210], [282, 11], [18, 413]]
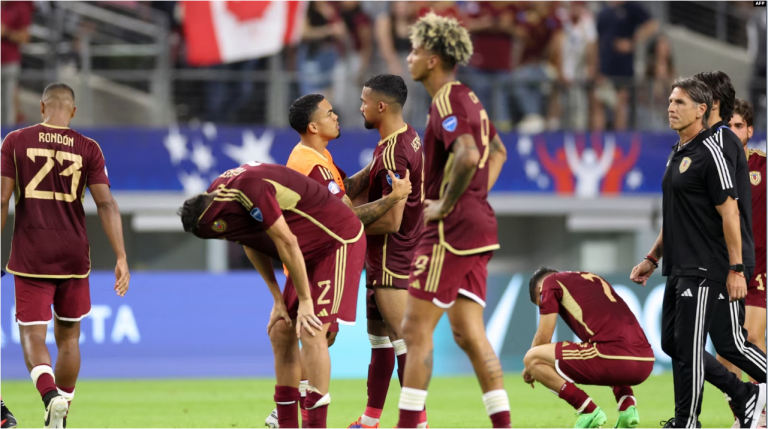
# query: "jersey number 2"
[[73, 170]]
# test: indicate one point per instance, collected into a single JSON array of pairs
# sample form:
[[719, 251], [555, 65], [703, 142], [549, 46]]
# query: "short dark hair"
[[56, 87], [301, 111], [698, 91], [536, 277], [744, 108], [191, 211], [389, 85], [722, 90]]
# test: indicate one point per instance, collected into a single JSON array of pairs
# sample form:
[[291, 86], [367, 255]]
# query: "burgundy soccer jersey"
[[52, 167], [253, 196], [757, 179], [592, 309], [471, 226], [392, 254]]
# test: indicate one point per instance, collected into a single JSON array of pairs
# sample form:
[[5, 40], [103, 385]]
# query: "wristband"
[[653, 260], [738, 274]]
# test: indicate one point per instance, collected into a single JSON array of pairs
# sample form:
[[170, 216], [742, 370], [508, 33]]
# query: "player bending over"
[[449, 269], [392, 239], [48, 166], [278, 213], [614, 351]]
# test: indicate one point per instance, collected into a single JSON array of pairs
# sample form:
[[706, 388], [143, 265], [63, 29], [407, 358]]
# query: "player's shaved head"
[[301, 111], [443, 36], [390, 87], [58, 94], [533, 285]]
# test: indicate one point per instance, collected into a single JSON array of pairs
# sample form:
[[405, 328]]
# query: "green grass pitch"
[[229, 403]]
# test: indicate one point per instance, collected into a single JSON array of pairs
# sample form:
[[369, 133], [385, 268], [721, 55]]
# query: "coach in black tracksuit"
[[701, 243], [727, 331]]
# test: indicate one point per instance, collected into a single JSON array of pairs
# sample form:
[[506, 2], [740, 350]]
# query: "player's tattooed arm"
[[369, 213], [356, 184], [465, 161], [496, 159]]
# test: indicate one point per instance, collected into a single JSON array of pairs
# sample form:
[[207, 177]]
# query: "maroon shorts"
[[756, 291], [604, 364], [333, 282], [439, 276], [371, 309], [71, 299], [377, 277]]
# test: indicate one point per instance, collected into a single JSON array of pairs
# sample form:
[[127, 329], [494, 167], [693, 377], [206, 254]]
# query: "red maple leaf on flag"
[[248, 10]]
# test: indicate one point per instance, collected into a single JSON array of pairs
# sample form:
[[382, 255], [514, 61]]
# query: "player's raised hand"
[[279, 312], [306, 319], [642, 272], [401, 188], [122, 277]]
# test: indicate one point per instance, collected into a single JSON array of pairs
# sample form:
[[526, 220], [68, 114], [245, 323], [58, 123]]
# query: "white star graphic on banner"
[[634, 179], [202, 157], [209, 131], [532, 169], [253, 148], [524, 145], [193, 183], [176, 144]]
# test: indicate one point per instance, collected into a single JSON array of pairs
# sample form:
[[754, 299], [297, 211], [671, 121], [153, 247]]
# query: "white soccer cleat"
[[56, 412], [271, 421]]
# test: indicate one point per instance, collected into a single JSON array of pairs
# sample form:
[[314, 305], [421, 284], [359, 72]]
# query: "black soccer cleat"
[[6, 417], [749, 410]]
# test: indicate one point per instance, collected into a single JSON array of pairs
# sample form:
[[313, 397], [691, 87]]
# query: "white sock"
[[412, 399], [303, 385], [400, 348], [68, 396], [379, 342], [40, 370], [496, 401], [368, 421]]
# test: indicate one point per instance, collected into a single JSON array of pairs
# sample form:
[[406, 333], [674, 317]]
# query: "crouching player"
[[278, 213], [614, 351]]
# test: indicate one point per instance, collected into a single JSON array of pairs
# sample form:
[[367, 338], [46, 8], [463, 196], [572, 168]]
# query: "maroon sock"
[[401, 367], [501, 419], [577, 398], [408, 419], [379, 375], [622, 391], [423, 416], [287, 398], [304, 414], [45, 383], [318, 416]]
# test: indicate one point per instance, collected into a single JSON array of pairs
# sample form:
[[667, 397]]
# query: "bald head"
[[58, 95]]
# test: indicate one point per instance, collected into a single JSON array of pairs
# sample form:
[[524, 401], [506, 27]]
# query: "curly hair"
[[744, 108], [443, 36]]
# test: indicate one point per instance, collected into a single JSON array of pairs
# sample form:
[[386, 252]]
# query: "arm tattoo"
[[369, 213], [496, 145], [460, 176], [345, 199], [358, 182]]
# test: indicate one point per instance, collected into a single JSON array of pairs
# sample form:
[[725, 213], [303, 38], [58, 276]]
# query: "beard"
[[368, 125]]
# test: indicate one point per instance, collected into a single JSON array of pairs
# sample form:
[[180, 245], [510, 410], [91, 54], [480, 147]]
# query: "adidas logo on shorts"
[[687, 293]]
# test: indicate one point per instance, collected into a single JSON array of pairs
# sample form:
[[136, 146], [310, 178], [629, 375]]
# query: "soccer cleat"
[[271, 421], [595, 419], [628, 418], [7, 420], [748, 412], [667, 423], [357, 424], [55, 412]]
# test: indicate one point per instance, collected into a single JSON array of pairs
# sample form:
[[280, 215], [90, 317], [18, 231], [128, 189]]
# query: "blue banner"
[[195, 324], [189, 158]]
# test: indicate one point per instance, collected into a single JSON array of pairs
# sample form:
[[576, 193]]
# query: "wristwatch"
[[739, 268]]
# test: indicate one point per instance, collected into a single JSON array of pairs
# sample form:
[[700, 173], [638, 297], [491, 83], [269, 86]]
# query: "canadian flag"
[[228, 31]]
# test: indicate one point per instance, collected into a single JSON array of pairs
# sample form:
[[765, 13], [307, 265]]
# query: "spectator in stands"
[[443, 8], [352, 70], [658, 77], [227, 95], [490, 24], [539, 30], [323, 32], [573, 94], [621, 27], [16, 17]]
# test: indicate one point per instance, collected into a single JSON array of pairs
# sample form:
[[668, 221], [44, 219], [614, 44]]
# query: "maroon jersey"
[[592, 309], [756, 162], [471, 227], [253, 196], [52, 167], [400, 152]]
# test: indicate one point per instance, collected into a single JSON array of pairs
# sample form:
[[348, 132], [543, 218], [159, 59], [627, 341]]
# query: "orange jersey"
[[318, 166]]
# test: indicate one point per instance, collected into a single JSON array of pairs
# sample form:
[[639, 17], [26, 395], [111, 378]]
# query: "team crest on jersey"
[[219, 226], [334, 187], [755, 177], [450, 123], [256, 214], [416, 143], [389, 179], [685, 164]]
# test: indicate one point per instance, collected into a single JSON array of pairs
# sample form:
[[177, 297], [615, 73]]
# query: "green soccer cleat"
[[628, 418], [595, 419]]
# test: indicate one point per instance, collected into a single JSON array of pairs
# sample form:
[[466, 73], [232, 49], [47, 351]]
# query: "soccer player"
[[275, 212], [7, 420], [614, 351], [48, 166], [464, 158], [392, 239]]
